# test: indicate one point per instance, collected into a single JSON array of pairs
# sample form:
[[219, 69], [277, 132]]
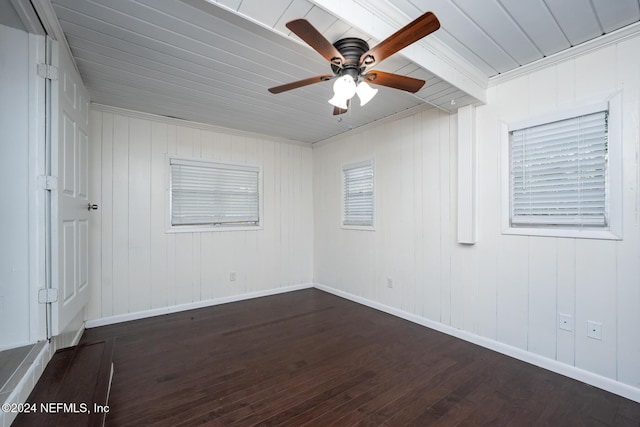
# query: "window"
[[206, 195], [564, 175], [358, 196], [558, 172]]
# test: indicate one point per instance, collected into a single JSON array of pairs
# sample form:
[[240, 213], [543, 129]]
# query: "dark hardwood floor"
[[312, 358], [77, 376]]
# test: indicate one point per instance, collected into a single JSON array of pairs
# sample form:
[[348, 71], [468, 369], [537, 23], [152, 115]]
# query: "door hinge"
[[48, 182], [46, 296], [47, 71]]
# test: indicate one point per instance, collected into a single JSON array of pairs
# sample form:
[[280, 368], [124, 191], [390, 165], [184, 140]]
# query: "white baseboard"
[[192, 305], [587, 377], [78, 336]]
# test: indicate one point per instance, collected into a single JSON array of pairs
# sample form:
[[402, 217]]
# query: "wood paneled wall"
[[137, 266], [14, 172], [505, 288]]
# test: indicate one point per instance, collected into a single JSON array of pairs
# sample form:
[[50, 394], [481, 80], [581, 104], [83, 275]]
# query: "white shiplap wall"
[[14, 169], [136, 266], [505, 289]]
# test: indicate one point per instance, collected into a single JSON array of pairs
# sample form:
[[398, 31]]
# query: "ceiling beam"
[[381, 19]]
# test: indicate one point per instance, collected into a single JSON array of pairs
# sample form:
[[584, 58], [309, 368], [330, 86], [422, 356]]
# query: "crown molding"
[[592, 45], [195, 125], [392, 118]]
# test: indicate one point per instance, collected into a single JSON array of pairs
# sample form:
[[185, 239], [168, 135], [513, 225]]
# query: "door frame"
[[37, 195]]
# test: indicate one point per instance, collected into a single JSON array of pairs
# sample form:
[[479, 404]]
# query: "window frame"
[[191, 228], [613, 230], [343, 168]]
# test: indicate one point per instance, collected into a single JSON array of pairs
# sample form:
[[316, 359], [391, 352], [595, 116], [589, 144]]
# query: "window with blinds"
[[358, 202], [559, 173], [215, 194]]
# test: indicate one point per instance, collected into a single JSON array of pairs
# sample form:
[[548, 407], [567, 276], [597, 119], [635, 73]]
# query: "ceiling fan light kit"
[[339, 102], [343, 89], [365, 93], [350, 57]]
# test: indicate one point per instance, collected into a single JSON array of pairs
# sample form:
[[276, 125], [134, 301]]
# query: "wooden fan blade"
[[395, 81], [307, 32], [337, 110], [411, 33], [301, 83]]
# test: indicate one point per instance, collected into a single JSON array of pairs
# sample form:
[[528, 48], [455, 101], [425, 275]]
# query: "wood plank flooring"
[[77, 377], [311, 358]]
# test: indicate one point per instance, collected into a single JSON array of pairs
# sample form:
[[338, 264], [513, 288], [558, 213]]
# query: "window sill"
[[358, 227], [602, 234], [206, 229]]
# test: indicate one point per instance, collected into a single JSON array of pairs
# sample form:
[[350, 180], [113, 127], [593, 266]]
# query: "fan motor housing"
[[351, 49]]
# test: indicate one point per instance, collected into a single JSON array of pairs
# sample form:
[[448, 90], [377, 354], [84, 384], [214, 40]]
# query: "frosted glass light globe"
[[344, 87], [365, 92]]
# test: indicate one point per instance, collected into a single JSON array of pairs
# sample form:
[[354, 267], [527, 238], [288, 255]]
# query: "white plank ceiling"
[[212, 62]]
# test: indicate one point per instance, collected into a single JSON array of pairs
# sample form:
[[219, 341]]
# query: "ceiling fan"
[[351, 57]]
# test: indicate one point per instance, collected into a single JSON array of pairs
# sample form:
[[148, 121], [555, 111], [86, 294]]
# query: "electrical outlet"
[[389, 282], [594, 330], [565, 322], [232, 276]]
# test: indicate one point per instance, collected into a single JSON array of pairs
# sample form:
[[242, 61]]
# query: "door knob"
[[91, 207]]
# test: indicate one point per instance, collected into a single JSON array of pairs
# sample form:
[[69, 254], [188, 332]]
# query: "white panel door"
[[70, 199]]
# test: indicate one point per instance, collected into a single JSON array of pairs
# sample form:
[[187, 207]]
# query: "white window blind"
[[559, 172], [358, 194], [213, 193]]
